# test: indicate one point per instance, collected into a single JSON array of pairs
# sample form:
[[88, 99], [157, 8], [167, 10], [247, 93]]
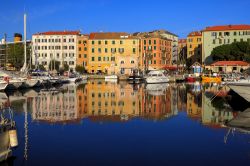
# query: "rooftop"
[[110, 35], [230, 63], [182, 41], [195, 33], [227, 27], [59, 33]]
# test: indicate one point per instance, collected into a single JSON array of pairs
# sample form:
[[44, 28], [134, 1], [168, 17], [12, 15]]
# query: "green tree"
[[80, 69], [54, 65], [234, 51], [15, 54]]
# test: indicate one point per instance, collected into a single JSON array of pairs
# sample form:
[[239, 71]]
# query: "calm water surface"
[[102, 123]]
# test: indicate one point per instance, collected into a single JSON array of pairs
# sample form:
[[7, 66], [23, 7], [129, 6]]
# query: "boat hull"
[[3, 85], [242, 90]]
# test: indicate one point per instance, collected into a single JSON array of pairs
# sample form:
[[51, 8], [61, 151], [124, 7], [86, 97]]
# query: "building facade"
[[219, 35], [182, 50], [155, 50], [194, 47], [82, 44], [55, 45], [108, 51]]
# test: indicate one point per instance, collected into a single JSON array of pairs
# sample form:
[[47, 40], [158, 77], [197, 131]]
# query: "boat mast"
[[25, 50]]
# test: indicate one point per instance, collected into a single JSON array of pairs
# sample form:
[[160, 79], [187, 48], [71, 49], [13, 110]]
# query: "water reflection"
[[105, 102]]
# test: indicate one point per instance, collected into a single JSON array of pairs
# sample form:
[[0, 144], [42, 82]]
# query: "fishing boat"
[[156, 76], [211, 78], [190, 78]]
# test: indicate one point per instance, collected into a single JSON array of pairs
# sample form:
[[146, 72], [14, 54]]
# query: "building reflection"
[[55, 106], [102, 101], [206, 103]]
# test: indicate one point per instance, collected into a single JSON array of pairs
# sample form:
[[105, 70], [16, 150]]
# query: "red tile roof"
[[182, 41], [59, 33], [227, 27], [196, 33], [110, 35], [230, 63]]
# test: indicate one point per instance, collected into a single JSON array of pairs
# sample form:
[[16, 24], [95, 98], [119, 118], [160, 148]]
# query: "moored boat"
[[156, 76]]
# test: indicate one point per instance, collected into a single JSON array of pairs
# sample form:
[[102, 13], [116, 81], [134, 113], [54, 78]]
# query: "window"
[[99, 59], [92, 59], [121, 42], [85, 48], [154, 41], [79, 56], [220, 33], [134, 42], [190, 46], [79, 42], [235, 33], [93, 50], [241, 40], [99, 42], [214, 41], [122, 62], [226, 33], [154, 61], [85, 55], [93, 42], [154, 47], [113, 50], [235, 40], [106, 50], [99, 50], [132, 62], [80, 49], [248, 40], [134, 50], [198, 39], [112, 58], [106, 42], [149, 42], [113, 42]]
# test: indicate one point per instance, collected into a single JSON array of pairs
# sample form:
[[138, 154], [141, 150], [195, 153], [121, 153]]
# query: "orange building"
[[82, 58], [155, 50]]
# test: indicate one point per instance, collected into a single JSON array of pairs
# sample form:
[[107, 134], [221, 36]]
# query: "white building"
[[219, 35], [55, 45]]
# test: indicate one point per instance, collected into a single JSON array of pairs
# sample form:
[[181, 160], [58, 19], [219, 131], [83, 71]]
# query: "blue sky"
[[179, 17]]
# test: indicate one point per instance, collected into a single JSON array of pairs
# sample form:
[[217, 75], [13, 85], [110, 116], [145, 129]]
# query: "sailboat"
[[28, 81]]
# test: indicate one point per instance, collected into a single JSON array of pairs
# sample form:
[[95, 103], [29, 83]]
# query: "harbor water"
[[109, 123]]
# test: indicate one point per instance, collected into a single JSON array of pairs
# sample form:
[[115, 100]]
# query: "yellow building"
[[105, 48], [194, 47]]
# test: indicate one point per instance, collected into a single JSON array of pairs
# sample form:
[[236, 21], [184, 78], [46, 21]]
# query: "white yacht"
[[156, 76], [111, 77]]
